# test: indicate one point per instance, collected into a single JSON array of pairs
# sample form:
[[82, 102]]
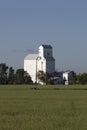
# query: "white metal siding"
[[30, 67]]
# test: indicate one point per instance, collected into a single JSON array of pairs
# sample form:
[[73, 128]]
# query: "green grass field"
[[24, 107]]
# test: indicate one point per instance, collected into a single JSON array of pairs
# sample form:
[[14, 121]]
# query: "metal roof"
[[31, 57], [47, 46]]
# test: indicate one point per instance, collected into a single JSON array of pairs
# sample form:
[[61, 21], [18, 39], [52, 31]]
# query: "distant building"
[[67, 77], [43, 61]]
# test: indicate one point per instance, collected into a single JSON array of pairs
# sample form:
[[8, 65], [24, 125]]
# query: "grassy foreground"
[[43, 107]]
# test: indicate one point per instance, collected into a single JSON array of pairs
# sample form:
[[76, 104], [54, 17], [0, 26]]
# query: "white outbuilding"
[[43, 61], [67, 77]]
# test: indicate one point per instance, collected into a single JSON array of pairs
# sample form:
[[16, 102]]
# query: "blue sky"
[[25, 24]]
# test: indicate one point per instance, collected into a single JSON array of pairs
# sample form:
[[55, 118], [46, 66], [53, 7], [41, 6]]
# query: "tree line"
[[9, 76], [80, 78]]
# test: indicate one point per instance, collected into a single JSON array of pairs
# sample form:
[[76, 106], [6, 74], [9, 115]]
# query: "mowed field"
[[25, 107]]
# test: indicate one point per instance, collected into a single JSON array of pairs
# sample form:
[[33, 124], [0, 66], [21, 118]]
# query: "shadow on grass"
[[57, 88]]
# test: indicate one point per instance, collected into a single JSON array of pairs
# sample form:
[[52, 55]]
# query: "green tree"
[[74, 76], [27, 78], [3, 73], [44, 77], [11, 76], [22, 77], [19, 76], [83, 78]]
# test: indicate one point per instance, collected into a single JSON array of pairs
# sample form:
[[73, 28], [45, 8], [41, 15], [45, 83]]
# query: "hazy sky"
[[25, 24]]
